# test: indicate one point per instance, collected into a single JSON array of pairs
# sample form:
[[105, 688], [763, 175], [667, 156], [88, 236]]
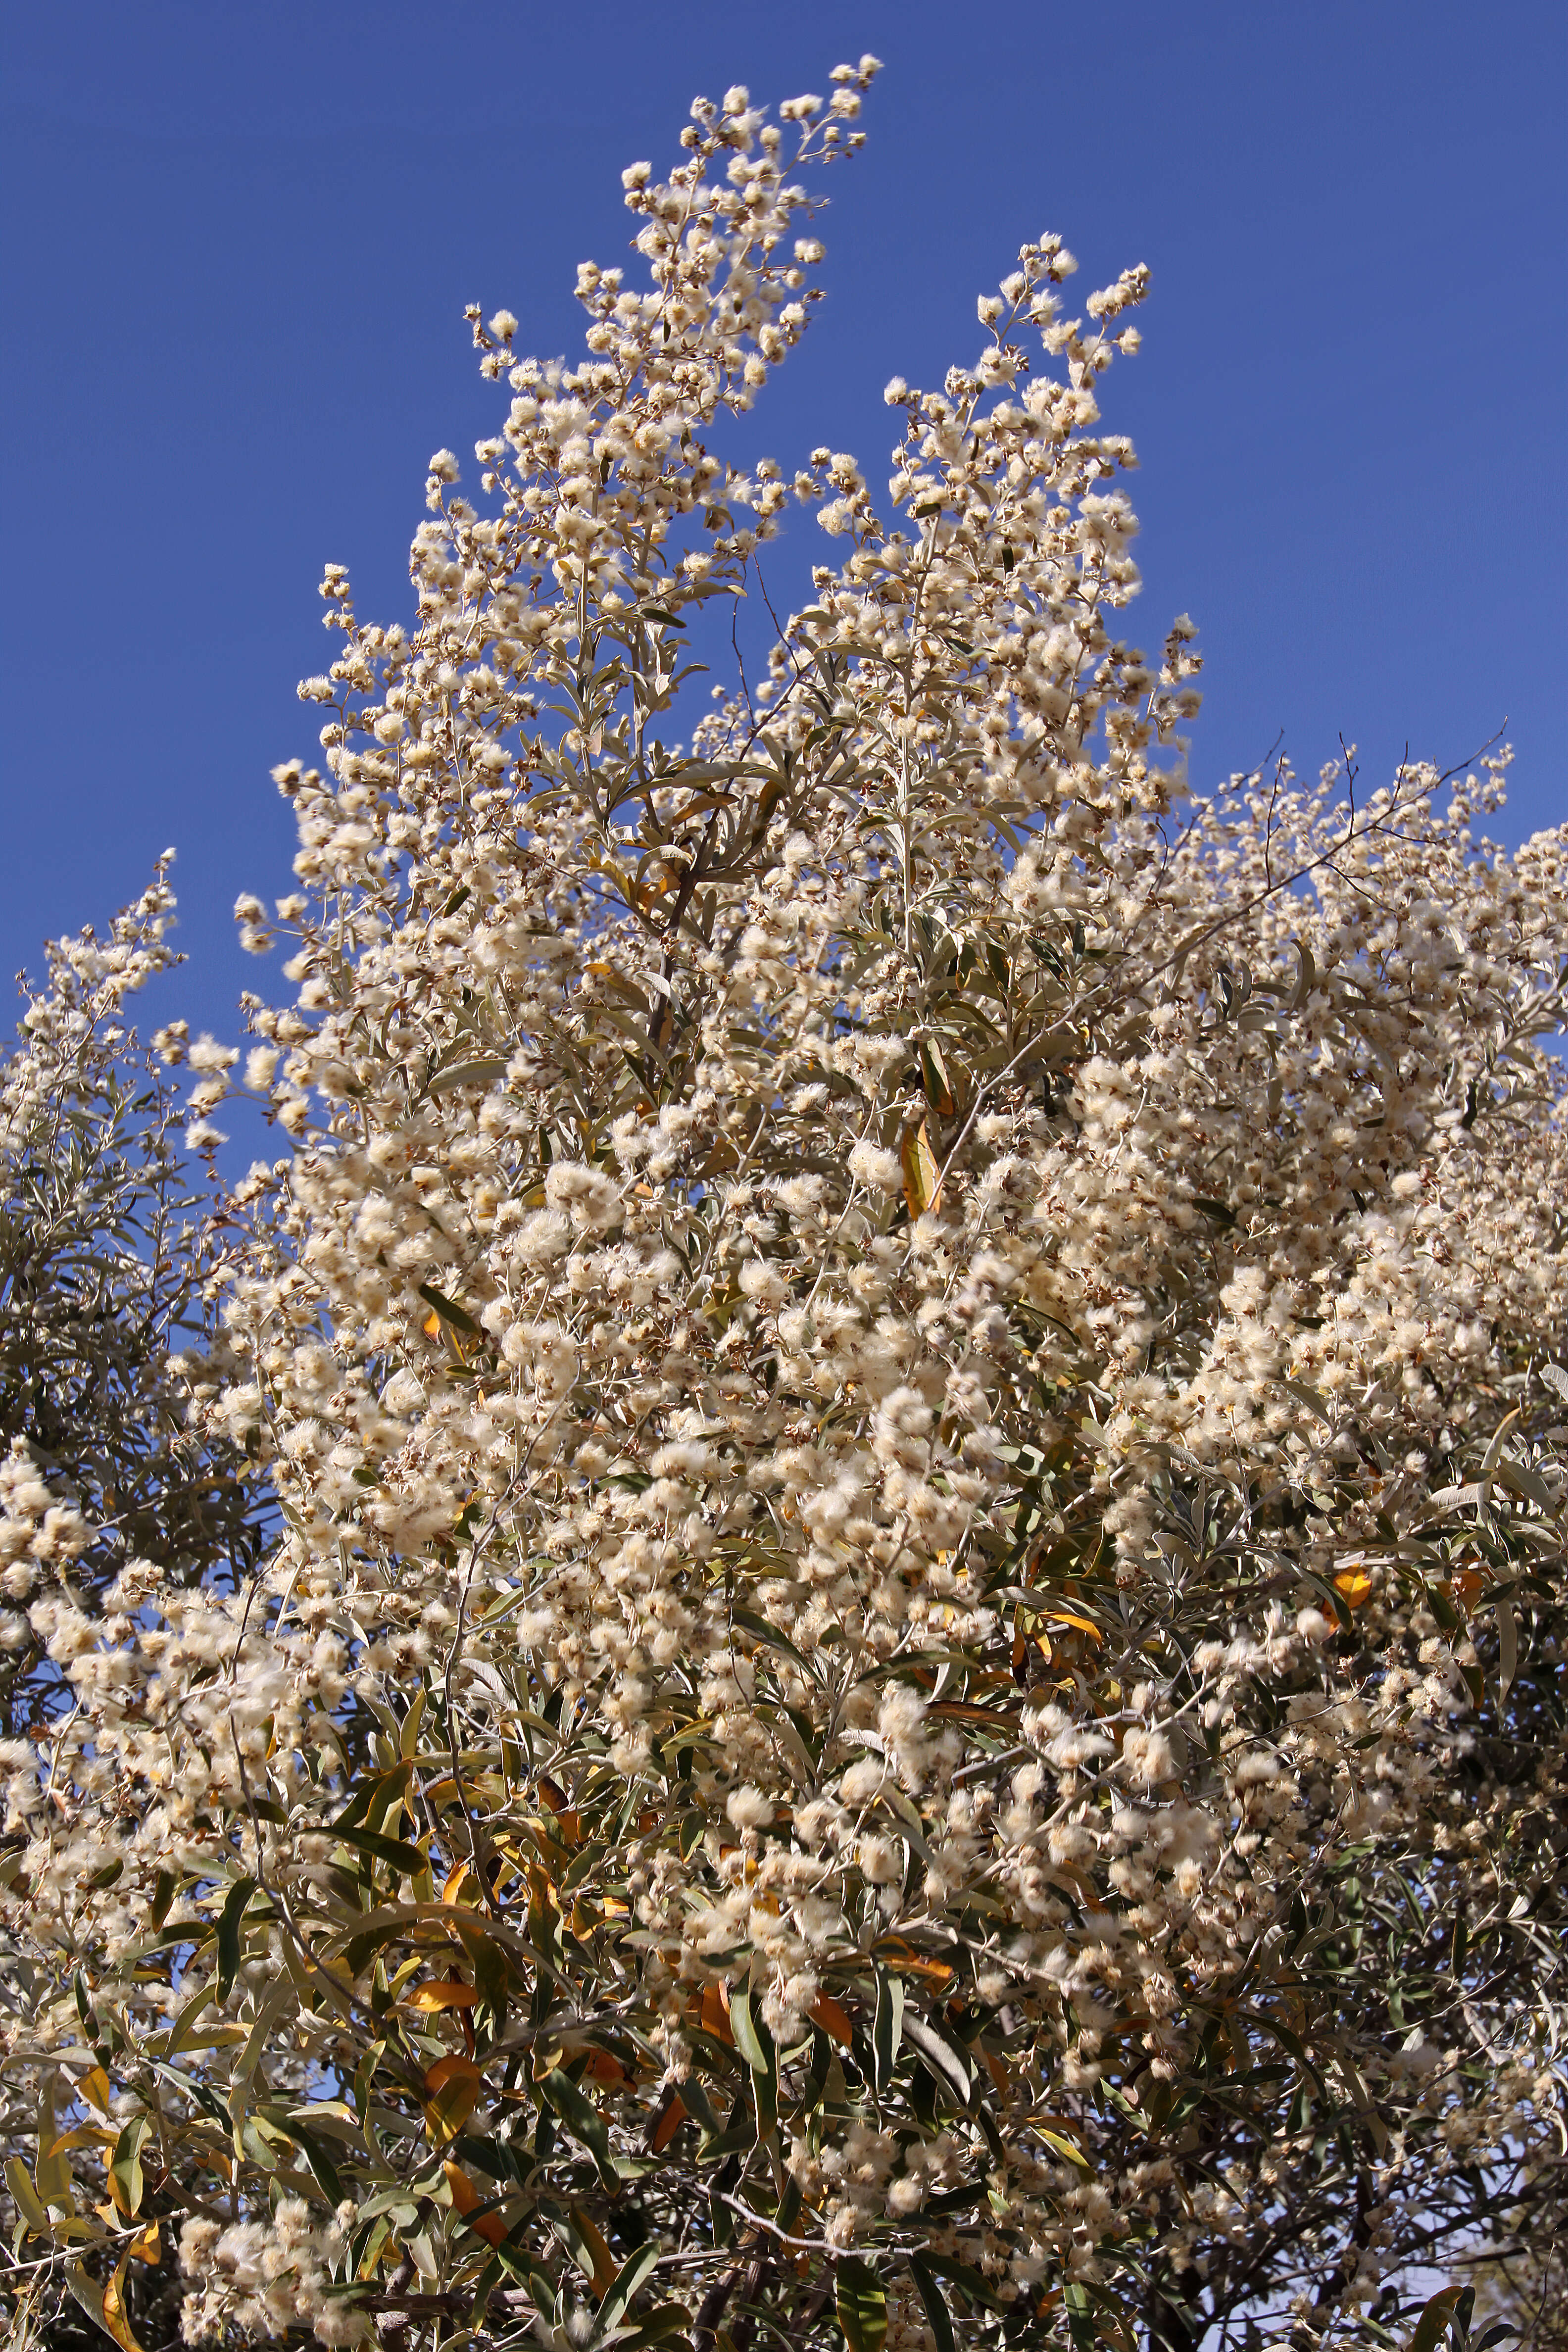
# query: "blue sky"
[[238, 241]]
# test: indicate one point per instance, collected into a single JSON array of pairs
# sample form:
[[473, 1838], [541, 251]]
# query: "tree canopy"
[[907, 1689]]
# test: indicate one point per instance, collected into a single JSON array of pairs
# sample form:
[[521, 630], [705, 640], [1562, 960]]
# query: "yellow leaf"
[[934, 1078], [922, 1176], [452, 2088], [568, 1821], [1354, 1585], [93, 2087], [114, 2317], [25, 2197], [52, 2176], [84, 2136], [1084, 1624], [147, 2248], [442, 1992]]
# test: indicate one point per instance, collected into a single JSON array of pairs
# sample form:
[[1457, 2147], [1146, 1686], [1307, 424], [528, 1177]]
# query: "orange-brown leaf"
[[442, 1992], [715, 2014], [599, 2255], [114, 2319], [465, 2199], [825, 2012], [668, 2118], [604, 2066]]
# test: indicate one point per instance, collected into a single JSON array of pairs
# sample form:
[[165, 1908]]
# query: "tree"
[[908, 1691], [107, 1254]]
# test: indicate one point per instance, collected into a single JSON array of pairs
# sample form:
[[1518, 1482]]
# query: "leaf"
[[468, 1074], [714, 2014], [636, 2268], [934, 1078], [397, 1852], [1506, 1648], [666, 2121], [922, 1176], [886, 2030], [1068, 2151], [1305, 979], [1082, 1624], [52, 2175], [756, 2044], [25, 2197], [588, 2250], [87, 2293], [373, 1794], [448, 1310], [93, 2086], [1520, 1481], [114, 2319], [316, 2156], [752, 2037], [452, 2086], [465, 2199], [1433, 2324], [908, 1961], [935, 2302], [940, 2053], [1222, 1213], [125, 2182], [229, 1917], [825, 2011], [862, 2306], [441, 1992], [582, 2120]]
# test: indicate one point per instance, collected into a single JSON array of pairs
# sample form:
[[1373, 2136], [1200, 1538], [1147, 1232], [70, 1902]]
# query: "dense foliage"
[[909, 1690]]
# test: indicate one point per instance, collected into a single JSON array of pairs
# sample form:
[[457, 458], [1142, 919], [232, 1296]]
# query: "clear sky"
[[238, 241]]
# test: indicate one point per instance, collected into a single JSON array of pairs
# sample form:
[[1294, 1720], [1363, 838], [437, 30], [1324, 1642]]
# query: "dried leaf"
[[114, 2319], [465, 2199], [668, 2118], [93, 2086], [442, 1992], [922, 1176], [452, 2087], [825, 2011], [715, 2014]]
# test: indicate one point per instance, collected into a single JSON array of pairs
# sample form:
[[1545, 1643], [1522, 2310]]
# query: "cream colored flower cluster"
[[914, 1382]]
